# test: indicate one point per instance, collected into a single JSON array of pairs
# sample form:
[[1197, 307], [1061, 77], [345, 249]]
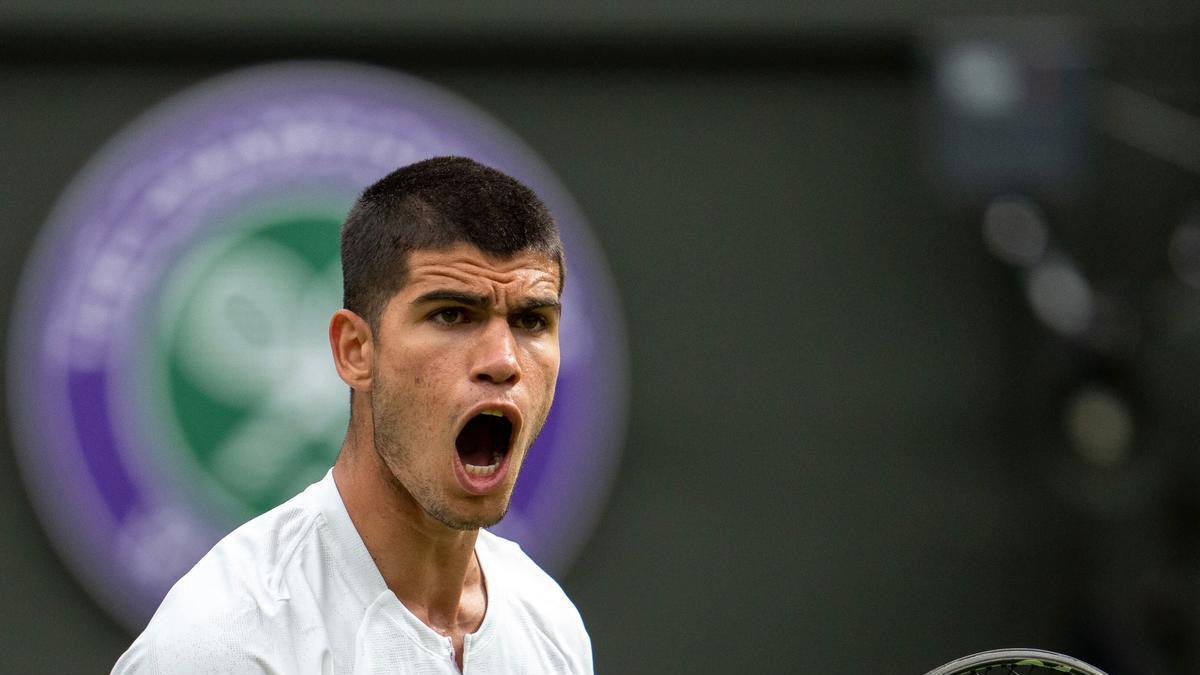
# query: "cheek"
[[544, 371], [414, 395], [431, 395], [544, 357], [549, 364], [420, 374]]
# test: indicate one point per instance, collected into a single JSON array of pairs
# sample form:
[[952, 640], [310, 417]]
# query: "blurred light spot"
[[981, 79], [1015, 230], [1061, 297], [1184, 252], [1100, 426]]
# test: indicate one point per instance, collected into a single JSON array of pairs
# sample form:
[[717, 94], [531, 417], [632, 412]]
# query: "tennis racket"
[[1016, 662]]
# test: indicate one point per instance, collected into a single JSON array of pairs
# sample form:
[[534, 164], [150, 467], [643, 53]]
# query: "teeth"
[[484, 470], [493, 413]]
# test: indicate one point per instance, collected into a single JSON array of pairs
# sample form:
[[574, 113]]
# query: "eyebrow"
[[482, 301], [468, 299], [533, 304]]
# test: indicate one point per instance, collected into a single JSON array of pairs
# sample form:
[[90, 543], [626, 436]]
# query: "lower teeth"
[[484, 470]]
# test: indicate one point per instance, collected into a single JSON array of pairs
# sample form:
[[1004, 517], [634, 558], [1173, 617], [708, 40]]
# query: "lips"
[[484, 443]]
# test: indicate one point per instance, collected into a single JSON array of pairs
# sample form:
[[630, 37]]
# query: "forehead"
[[463, 266]]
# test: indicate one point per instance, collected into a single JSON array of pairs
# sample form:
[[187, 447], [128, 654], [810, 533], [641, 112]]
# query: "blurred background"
[[912, 300]]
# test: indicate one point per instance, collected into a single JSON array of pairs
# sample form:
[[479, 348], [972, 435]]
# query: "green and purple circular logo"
[[170, 376]]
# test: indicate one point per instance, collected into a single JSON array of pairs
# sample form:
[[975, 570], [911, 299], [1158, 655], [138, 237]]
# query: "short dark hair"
[[435, 204]]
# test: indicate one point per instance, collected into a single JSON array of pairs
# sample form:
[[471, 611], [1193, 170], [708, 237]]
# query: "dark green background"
[[826, 467]]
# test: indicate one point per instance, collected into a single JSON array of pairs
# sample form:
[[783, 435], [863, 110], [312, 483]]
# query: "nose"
[[496, 356]]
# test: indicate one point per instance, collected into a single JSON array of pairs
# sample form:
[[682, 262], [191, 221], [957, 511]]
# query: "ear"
[[352, 345]]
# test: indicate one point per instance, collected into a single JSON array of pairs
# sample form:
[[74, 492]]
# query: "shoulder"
[[229, 613], [537, 596], [523, 577]]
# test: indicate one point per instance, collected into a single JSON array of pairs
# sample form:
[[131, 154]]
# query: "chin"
[[473, 523], [468, 519]]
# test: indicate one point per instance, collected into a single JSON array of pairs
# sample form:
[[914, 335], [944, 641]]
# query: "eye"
[[532, 322], [449, 316]]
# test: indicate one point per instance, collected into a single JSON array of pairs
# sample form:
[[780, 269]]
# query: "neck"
[[430, 567]]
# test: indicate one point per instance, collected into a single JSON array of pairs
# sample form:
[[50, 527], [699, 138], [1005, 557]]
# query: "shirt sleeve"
[[200, 631], [198, 650]]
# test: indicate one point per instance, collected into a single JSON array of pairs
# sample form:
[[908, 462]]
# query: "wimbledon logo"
[[169, 372]]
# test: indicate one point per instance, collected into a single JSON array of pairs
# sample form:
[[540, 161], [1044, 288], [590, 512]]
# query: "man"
[[449, 343]]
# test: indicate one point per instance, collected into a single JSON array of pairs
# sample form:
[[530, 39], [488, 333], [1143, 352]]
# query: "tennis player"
[[448, 340]]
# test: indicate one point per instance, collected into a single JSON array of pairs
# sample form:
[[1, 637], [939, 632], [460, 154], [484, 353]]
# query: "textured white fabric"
[[295, 591]]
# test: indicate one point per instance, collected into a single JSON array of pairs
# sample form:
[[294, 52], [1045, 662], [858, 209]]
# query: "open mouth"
[[483, 442]]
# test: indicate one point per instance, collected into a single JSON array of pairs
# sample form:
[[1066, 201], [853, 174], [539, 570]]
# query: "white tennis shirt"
[[295, 592]]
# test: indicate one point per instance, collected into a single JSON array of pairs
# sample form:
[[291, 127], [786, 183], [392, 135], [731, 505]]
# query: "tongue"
[[475, 443]]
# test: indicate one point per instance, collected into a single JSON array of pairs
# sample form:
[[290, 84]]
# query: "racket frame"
[[1013, 656]]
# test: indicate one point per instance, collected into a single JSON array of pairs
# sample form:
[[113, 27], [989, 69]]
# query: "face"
[[465, 363]]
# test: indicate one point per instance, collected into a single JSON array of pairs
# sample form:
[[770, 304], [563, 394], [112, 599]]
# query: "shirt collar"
[[354, 561]]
